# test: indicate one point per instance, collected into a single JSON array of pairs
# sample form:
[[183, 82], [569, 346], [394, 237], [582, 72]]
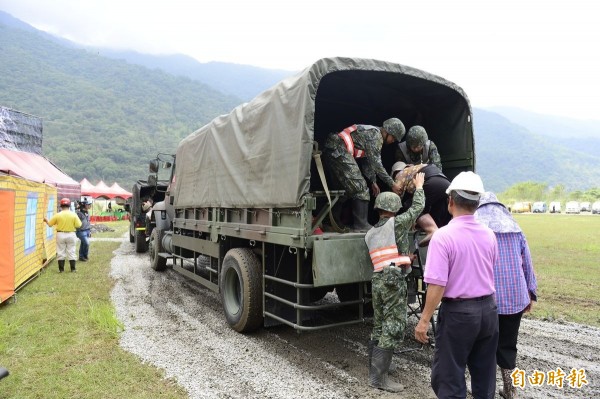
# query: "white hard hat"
[[467, 181]]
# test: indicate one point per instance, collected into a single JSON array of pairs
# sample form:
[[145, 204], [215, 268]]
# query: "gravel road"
[[178, 325]]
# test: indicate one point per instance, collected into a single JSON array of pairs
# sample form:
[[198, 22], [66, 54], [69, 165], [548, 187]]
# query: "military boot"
[[360, 213], [72, 263], [509, 391], [373, 343], [378, 372], [338, 211], [61, 266]]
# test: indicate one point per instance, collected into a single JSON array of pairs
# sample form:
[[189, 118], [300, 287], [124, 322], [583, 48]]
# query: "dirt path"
[[177, 325]]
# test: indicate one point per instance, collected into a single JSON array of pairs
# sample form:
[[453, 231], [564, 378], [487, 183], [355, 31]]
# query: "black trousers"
[[508, 326], [466, 336]]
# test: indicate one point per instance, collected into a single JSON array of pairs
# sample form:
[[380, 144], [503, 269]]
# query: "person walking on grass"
[[515, 282], [66, 223], [84, 232]]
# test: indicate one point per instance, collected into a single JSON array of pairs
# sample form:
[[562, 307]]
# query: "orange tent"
[[27, 244]]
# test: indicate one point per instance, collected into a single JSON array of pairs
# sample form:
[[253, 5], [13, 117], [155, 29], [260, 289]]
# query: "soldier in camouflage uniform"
[[418, 148], [361, 143], [389, 250]]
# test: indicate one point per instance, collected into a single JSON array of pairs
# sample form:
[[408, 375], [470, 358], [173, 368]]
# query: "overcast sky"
[[537, 55]]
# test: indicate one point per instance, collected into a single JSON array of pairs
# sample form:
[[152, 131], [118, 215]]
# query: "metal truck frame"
[[247, 191]]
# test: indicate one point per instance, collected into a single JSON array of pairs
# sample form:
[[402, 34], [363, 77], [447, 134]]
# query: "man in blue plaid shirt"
[[514, 281]]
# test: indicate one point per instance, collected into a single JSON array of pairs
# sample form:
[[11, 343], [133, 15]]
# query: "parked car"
[[596, 207], [520, 207], [572, 207], [585, 207], [539, 207], [554, 207]]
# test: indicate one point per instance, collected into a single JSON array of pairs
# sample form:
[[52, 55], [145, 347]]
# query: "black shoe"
[[83, 259]]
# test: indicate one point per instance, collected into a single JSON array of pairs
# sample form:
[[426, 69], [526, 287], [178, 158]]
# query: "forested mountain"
[[102, 118], [105, 118], [575, 134], [508, 153], [243, 81]]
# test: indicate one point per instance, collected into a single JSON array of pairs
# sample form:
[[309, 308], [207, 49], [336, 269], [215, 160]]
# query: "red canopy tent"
[[101, 190], [86, 187], [38, 169], [120, 191]]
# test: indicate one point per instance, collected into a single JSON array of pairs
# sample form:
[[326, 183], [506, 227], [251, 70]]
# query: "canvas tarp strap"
[[319, 163]]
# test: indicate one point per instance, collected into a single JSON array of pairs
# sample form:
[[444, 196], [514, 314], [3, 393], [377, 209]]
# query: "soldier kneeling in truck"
[[361, 142]]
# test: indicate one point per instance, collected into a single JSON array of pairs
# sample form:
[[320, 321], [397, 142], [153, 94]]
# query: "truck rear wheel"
[[241, 289], [140, 241], [157, 262]]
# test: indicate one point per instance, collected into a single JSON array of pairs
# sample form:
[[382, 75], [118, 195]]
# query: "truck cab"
[[144, 193]]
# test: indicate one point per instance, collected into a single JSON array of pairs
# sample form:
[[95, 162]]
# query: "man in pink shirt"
[[460, 274]]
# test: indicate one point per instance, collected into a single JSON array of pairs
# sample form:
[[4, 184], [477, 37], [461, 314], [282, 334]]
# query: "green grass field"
[[566, 258], [59, 337]]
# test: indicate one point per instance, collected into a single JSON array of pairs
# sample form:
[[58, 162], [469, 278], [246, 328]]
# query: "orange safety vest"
[[345, 135], [382, 247]]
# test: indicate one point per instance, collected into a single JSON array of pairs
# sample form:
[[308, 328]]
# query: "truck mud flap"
[[341, 261]]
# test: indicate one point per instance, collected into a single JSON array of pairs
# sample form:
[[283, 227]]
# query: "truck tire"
[[140, 241], [241, 289], [157, 262]]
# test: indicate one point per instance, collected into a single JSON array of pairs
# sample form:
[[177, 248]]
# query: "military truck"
[[248, 191], [140, 224]]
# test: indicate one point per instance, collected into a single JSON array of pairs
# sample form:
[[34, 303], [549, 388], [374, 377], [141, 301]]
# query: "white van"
[[585, 207], [596, 207], [554, 207], [572, 207], [539, 207]]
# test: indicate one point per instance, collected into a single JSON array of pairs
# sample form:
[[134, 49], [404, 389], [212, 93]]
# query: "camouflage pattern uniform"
[[418, 136], [346, 169], [389, 286]]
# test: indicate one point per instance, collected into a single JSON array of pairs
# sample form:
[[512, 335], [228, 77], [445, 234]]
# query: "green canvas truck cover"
[[260, 154]]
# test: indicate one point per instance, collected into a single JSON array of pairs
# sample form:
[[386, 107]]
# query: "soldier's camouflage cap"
[[395, 127], [388, 201], [416, 136]]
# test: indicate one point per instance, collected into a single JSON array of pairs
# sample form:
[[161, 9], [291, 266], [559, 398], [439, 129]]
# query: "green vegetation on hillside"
[[507, 153], [531, 191], [102, 119]]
